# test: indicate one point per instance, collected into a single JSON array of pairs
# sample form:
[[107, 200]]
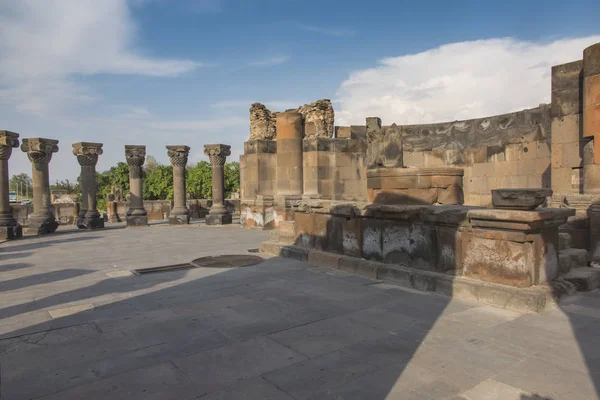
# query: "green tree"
[[66, 186], [199, 180], [22, 184], [158, 184], [232, 178], [115, 176]]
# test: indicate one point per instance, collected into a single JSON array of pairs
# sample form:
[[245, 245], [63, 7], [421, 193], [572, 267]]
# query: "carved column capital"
[[178, 155], [8, 140], [87, 153], [135, 155], [217, 153], [39, 150]]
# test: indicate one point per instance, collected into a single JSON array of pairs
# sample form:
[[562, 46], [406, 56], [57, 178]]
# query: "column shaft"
[[218, 213], [9, 229], [136, 214], [39, 151], [290, 130], [180, 214], [87, 156]]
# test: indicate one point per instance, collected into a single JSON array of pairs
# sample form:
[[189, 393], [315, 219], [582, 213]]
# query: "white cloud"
[[456, 81], [45, 45], [270, 61]]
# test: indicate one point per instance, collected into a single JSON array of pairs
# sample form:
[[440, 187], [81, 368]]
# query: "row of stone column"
[[42, 221]]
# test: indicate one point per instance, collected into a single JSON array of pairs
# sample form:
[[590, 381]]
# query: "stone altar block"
[[416, 186], [513, 247]]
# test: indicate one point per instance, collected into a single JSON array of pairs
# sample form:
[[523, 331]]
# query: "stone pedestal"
[[39, 151], [290, 130], [87, 156], [136, 213], [218, 214], [180, 214], [415, 186], [513, 247], [9, 228]]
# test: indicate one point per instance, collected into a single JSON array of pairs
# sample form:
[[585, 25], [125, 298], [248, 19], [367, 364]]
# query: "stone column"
[[9, 228], [591, 119], [180, 214], [290, 130], [218, 214], [136, 213], [39, 151], [87, 156], [591, 151]]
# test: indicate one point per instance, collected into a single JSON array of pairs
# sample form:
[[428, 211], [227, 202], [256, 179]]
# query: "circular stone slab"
[[227, 261]]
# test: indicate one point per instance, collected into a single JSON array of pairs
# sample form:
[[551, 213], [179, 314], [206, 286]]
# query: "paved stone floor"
[[75, 324]]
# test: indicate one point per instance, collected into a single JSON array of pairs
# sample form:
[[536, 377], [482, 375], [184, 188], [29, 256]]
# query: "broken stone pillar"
[[87, 156], [9, 228], [136, 213], [39, 151], [218, 214], [180, 214], [290, 130], [591, 151]]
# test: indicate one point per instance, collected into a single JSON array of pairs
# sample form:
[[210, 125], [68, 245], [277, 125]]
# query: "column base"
[[90, 222], [11, 232], [179, 219], [218, 219], [137, 220], [41, 227]]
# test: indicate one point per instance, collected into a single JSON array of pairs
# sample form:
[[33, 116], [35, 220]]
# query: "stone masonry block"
[[433, 158], [557, 155], [529, 150], [572, 153], [543, 149], [561, 179], [414, 158], [513, 152], [525, 166], [505, 168], [483, 169], [566, 129]]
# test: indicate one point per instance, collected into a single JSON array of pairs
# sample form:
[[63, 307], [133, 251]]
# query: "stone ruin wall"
[[504, 151], [333, 168]]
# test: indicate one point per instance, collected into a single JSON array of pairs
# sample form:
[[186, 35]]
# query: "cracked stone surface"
[[77, 325]]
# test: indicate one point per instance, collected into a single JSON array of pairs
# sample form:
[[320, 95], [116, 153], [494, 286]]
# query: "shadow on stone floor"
[[15, 266], [282, 328], [41, 279], [36, 242]]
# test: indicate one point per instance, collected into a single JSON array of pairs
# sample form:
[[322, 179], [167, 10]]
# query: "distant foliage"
[[158, 184], [232, 178], [66, 186], [115, 176], [22, 184], [158, 181], [199, 181]]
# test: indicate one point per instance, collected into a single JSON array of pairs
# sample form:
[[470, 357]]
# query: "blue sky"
[[161, 72]]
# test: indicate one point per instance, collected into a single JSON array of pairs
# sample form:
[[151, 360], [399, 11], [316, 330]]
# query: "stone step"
[[584, 278], [571, 258], [281, 237], [287, 227]]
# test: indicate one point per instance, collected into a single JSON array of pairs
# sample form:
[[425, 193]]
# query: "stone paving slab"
[[75, 324]]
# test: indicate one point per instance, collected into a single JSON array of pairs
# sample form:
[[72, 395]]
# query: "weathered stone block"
[[519, 199], [11, 232]]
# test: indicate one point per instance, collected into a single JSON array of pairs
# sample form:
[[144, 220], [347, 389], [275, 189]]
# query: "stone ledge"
[[533, 299]]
